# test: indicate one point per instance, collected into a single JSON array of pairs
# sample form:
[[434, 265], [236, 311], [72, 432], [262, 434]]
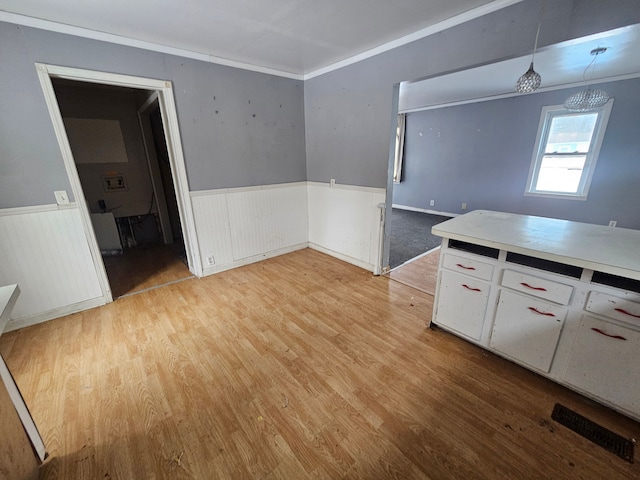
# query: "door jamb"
[[174, 146], [152, 162], [386, 244]]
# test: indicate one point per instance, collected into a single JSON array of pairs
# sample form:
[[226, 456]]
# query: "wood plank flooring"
[[143, 267], [421, 273], [297, 367]]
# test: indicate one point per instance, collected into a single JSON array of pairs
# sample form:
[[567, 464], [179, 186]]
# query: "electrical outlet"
[[464, 206], [210, 260], [332, 183], [432, 203], [61, 197], [613, 223]]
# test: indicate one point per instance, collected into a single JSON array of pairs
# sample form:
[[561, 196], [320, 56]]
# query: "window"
[[566, 152]]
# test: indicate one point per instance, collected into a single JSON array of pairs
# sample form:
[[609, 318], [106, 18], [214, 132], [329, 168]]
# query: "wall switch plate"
[[332, 182], [61, 197], [432, 203], [464, 206], [613, 223]]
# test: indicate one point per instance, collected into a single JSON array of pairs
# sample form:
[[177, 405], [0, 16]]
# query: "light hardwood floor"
[[297, 367], [143, 267], [421, 273]]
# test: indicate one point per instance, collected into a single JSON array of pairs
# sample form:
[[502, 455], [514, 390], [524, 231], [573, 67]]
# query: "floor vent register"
[[599, 435]]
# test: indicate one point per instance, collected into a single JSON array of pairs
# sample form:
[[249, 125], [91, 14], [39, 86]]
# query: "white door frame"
[[152, 162], [386, 221], [174, 147]]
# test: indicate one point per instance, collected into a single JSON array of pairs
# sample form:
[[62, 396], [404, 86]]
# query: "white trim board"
[[131, 42], [412, 37], [424, 210], [51, 207], [345, 258], [254, 259], [203, 57], [490, 98], [23, 412], [355, 188], [220, 191], [22, 322]]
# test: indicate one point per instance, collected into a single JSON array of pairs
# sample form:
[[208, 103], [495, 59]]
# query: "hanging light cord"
[[595, 54], [535, 45]]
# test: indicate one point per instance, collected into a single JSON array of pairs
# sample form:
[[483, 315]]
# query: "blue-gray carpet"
[[411, 235]]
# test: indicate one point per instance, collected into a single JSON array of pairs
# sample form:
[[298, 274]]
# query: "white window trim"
[[592, 156]]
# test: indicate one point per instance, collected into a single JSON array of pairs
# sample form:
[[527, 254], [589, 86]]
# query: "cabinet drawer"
[[614, 307], [527, 329], [462, 303], [604, 362], [538, 287], [471, 267]]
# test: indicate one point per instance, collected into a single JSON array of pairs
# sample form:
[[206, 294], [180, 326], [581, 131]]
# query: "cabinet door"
[[462, 302], [604, 361], [527, 329]]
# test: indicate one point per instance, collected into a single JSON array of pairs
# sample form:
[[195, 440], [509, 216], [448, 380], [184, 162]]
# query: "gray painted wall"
[[480, 154], [348, 111], [238, 128]]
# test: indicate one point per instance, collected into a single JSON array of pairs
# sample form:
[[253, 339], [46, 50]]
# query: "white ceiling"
[[560, 66], [294, 36]]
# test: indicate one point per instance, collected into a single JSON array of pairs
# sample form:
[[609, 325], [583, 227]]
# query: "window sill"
[[555, 196]]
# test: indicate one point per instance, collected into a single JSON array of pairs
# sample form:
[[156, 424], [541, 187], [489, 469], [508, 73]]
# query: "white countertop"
[[8, 298], [596, 247]]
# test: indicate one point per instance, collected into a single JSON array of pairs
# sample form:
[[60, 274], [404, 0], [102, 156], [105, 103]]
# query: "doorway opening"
[[411, 252], [122, 151]]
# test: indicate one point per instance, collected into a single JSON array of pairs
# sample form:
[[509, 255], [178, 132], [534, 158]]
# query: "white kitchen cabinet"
[[468, 266], [527, 329], [561, 298], [462, 303], [615, 307], [538, 287], [604, 362]]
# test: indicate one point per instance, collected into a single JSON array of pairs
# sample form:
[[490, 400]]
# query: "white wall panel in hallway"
[[45, 251]]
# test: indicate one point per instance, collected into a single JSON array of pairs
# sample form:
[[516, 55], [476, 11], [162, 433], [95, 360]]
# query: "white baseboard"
[[254, 259], [16, 323], [343, 257], [424, 210]]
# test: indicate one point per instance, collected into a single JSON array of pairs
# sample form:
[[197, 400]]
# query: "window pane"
[[560, 174], [571, 133]]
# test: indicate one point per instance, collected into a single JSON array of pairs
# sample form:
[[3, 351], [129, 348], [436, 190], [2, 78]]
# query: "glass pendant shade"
[[586, 100], [529, 81]]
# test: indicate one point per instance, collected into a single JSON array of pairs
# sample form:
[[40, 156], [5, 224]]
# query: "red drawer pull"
[[622, 310], [471, 288], [465, 267], [541, 289], [547, 314], [617, 337]]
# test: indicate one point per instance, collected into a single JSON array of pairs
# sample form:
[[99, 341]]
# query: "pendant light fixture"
[[590, 98], [530, 80]]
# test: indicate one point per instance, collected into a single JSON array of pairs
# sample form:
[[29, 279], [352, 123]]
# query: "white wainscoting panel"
[[344, 221], [212, 226], [240, 225], [268, 219], [46, 253]]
